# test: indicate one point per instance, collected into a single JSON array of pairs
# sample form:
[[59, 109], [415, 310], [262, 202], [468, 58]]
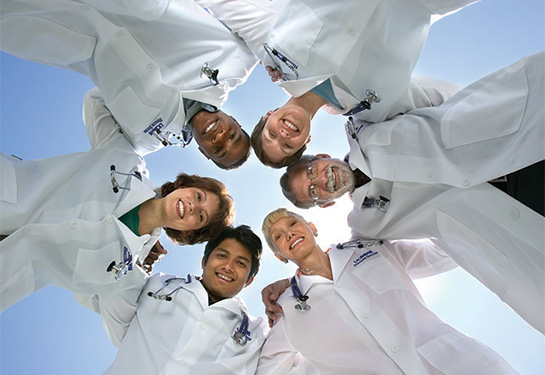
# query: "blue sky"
[[49, 332]]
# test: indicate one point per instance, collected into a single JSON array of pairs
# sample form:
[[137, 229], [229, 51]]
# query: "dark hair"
[[257, 145], [242, 160], [243, 235], [303, 162], [224, 217]]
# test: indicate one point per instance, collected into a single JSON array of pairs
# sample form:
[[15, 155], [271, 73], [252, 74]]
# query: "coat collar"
[[234, 304], [138, 193], [338, 260]]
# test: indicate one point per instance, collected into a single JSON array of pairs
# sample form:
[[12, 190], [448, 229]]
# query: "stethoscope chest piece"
[[302, 305], [240, 338], [301, 298]]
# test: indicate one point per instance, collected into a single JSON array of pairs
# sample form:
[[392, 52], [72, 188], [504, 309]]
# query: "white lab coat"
[[186, 335], [491, 128], [144, 56], [491, 235], [358, 45], [370, 319], [61, 215]]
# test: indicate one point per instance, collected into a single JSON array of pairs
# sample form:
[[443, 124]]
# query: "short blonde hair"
[[271, 219]]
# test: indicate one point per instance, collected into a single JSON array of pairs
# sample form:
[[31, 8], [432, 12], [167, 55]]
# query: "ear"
[[308, 140], [323, 156], [203, 263], [326, 204], [249, 281], [313, 227], [236, 122], [281, 258], [202, 152]]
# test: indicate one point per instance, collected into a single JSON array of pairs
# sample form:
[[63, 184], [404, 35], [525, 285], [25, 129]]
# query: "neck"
[[150, 216], [317, 264], [309, 101]]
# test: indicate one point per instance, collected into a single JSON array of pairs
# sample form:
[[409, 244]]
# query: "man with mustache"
[[407, 181]]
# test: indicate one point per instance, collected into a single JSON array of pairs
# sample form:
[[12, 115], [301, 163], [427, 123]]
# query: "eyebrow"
[[239, 257]]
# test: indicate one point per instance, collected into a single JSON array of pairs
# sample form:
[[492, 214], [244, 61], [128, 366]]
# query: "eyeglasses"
[[313, 191]]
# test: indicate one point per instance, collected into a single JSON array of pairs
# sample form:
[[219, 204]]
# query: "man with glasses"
[[496, 238]]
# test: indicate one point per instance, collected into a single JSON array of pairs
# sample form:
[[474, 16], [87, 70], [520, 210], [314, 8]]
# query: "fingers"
[[275, 74], [157, 252]]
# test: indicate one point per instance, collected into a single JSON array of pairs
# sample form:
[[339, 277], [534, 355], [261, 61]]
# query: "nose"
[[283, 132], [219, 136], [228, 266]]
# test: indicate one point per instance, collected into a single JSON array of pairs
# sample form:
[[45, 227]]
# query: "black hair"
[[246, 237]]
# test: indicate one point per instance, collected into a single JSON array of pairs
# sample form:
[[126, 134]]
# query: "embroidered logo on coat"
[[154, 127], [127, 258], [364, 257]]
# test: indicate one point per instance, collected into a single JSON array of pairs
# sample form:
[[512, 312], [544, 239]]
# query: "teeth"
[[290, 125], [210, 127], [223, 277], [331, 179], [296, 242], [181, 209]]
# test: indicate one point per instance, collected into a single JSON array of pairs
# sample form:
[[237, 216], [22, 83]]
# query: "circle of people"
[[425, 162]]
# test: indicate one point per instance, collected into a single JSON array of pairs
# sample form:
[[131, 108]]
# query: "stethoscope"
[[301, 298], [276, 55], [241, 335], [115, 184], [173, 139], [359, 243]]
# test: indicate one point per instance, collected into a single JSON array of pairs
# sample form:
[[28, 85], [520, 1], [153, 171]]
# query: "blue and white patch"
[[363, 257], [127, 258], [155, 126]]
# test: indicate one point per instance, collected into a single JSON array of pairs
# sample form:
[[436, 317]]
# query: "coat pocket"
[[92, 264], [44, 41], [489, 111], [454, 353], [377, 273], [131, 113], [8, 180], [296, 39], [20, 285]]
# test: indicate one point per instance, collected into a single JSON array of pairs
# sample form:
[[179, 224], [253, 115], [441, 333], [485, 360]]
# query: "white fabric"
[[63, 227], [370, 319], [143, 68], [186, 335], [359, 45], [491, 235], [474, 137]]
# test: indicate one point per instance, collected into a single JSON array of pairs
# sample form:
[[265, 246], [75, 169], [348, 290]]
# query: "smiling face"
[[322, 180], [190, 208], [220, 137], [227, 269], [293, 238], [287, 129]]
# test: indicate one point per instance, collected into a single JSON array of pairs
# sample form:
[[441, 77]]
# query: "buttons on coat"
[[514, 213], [26, 230], [150, 66], [201, 327], [431, 176], [364, 315], [467, 182], [350, 31], [110, 219], [73, 224], [394, 348]]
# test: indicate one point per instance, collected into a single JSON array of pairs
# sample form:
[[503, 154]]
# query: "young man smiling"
[[195, 324]]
